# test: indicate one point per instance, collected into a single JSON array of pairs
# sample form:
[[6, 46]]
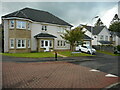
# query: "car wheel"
[[80, 50], [88, 52]]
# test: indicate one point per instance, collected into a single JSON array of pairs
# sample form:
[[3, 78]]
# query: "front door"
[[46, 44]]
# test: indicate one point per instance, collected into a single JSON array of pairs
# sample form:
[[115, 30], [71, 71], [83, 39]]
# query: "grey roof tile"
[[38, 16]]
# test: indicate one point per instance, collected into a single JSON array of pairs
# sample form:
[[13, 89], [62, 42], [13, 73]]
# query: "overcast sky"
[[74, 13]]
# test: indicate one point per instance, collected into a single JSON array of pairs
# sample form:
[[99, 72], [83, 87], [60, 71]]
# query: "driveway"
[[53, 75]]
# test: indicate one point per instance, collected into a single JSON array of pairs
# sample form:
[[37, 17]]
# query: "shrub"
[[118, 47]]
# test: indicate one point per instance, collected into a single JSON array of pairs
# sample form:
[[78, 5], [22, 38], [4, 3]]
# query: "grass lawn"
[[69, 54], [109, 53], [31, 55]]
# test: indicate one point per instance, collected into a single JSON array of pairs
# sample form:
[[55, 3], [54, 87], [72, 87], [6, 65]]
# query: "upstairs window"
[[21, 24], [106, 38], [28, 26], [101, 37], [44, 28], [12, 23]]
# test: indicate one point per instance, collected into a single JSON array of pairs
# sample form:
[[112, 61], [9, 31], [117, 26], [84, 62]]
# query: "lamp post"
[[92, 31]]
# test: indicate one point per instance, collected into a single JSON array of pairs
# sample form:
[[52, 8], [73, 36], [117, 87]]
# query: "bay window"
[[28, 43], [11, 43], [21, 24], [12, 24]]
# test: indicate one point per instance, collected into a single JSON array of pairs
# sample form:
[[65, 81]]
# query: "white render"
[[52, 29], [116, 39], [96, 38]]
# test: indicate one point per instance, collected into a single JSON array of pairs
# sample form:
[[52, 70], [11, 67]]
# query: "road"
[[102, 62]]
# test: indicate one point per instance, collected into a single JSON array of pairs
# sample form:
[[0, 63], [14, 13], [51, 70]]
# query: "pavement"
[[53, 75], [48, 73]]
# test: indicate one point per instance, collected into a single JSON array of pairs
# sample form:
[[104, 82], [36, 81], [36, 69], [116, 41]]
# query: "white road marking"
[[94, 70], [110, 75]]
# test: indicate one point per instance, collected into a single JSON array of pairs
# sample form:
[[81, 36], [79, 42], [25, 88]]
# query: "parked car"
[[86, 49]]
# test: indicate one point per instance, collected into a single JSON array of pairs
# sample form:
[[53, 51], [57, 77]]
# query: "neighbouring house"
[[29, 30], [115, 38], [100, 35]]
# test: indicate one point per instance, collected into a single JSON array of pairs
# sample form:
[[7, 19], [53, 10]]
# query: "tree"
[[115, 26], [99, 23], [73, 36]]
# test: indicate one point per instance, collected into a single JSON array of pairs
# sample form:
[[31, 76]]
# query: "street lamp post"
[[92, 31]]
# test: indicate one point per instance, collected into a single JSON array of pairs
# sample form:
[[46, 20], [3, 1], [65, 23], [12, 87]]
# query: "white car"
[[86, 49]]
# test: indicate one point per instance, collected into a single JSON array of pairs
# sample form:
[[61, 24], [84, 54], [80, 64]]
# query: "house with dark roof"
[[28, 30], [100, 35]]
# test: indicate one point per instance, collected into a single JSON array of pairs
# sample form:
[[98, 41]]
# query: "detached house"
[[100, 35], [28, 30]]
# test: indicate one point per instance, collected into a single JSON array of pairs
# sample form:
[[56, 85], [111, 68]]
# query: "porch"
[[45, 42]]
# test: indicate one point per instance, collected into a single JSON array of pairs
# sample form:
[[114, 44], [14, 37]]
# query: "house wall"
[[117, 41], [88, 33], [104, 32], [51, 29], [96, 38], [6, 36], [15, 33]]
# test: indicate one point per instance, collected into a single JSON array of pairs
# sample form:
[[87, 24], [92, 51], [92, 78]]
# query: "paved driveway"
[[53, 75]]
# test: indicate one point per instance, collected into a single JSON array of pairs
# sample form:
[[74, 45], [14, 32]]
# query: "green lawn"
[[45, 54], [31, 55], [69, 54], [109, 53]]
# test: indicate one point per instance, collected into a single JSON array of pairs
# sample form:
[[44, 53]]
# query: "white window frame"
[[29, 43], [102, 37], [21, 23], [21, 43], [44, 28], [106, 38], [29, 26], [62, 43], [11, 43], [44, 43], [10, 24]]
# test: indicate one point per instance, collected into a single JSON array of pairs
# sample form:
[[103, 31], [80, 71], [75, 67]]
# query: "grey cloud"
[[72, 12]]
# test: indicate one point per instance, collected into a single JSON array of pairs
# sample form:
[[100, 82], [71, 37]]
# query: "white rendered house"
[[28, 30]]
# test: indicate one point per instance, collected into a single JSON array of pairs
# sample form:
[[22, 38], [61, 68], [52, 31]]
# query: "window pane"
[[50, 43], [42, 27], [12, 23], [23, 43], [42, 43], [19, 43], [23, 24], [18, 24], [12, 43], [45, 28], [58, 43], [64, 43], [28, 26], [46, 43], [28, 43], [61, 43]]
